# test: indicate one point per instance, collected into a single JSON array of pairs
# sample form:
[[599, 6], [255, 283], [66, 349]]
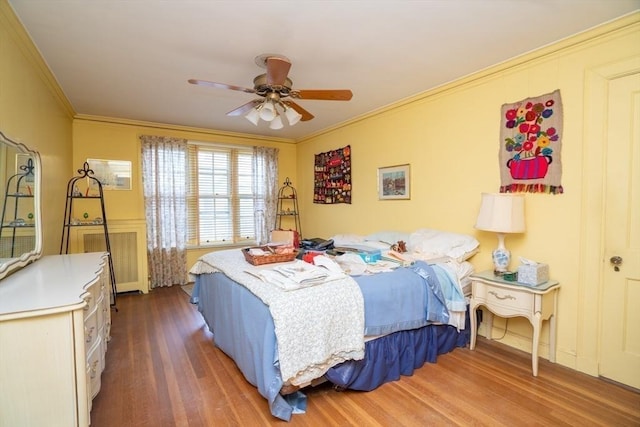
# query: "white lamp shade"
[[253, 116], [276, 123], [268, 111], [501, 213], [293, 116]]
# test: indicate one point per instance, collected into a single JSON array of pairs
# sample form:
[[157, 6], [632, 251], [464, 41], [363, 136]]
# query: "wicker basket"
[[267, 259]]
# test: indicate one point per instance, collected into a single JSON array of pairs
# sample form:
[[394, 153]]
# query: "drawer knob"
[[89, 334], [94, 369]]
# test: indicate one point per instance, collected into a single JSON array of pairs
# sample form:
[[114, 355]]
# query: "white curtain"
[[266, 195], [164, 175]]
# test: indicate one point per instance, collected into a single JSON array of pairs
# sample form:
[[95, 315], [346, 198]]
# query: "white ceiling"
[[131, 58]]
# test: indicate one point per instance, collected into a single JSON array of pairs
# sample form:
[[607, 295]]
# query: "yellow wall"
[[111, 139], [450, 137], [34, 111]]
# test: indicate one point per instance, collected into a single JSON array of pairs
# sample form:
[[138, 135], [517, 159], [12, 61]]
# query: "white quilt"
[[316, 327]]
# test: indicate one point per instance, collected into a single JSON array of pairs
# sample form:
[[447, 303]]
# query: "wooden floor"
[[163, 370]]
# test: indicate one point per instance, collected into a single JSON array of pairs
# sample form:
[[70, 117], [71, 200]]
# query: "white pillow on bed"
[[435, 243], [381, 240], [347, 239], [390, 237]]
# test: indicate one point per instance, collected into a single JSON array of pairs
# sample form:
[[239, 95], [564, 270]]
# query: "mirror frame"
[[27, 257]]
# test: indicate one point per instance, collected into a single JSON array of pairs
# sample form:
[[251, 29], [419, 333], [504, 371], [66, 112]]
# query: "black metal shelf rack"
[[86, 174], [17, 195], [288, 206]]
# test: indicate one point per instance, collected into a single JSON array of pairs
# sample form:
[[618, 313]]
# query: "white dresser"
[[55, 319]]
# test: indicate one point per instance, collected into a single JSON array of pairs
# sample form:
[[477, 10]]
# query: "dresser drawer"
[[105, 317], [92, 295], [91, 331], [95, 366], [100, 311], [504, 301]]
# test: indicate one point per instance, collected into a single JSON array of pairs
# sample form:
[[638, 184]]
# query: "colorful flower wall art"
[[530, 148]]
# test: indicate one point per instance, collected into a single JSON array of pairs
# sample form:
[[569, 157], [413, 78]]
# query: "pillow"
[[390, 237], [376, 244], [435, 243], [347, 239]]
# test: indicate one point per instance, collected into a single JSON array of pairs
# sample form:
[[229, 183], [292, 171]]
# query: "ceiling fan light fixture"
[[253, 116], [273, 86], [293, 116], [268, 111], [276, 123]]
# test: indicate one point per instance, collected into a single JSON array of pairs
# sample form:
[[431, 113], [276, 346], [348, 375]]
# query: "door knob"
[[616, 261]]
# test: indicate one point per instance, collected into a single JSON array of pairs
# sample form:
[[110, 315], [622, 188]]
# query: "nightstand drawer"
[[502, 300]]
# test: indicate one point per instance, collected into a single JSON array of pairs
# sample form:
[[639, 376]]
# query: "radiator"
[[21, 245], [123, 252]]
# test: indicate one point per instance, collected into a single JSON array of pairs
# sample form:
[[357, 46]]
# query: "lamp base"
[[501, 258]]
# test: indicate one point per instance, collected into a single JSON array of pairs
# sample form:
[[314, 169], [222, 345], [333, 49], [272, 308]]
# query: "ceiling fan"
[[276, 90]]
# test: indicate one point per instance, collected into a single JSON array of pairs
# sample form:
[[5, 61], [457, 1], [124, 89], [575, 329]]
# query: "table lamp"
[[501, 213]]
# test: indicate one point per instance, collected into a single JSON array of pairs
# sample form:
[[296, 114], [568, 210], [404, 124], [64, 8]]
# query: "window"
[[221, 195]]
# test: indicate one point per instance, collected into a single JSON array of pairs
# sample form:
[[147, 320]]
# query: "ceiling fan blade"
[[277, 70], [220, 85], [328, 95], [304, 113], [241, 110]]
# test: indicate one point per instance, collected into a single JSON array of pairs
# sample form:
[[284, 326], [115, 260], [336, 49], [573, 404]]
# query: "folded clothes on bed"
[[295, 275]]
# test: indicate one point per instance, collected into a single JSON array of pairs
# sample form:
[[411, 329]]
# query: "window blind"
[[220, 200]]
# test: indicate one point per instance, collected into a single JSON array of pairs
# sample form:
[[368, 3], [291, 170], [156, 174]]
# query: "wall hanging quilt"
[[530, 145], [332, 176]]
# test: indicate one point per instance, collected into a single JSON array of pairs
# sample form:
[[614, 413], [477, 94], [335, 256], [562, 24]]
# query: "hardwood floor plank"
[[427, 387], [162, 369]]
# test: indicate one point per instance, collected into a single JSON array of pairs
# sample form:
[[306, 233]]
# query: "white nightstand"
[[513, 299]]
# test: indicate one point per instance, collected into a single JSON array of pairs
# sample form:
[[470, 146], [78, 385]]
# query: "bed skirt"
[[389, 357]]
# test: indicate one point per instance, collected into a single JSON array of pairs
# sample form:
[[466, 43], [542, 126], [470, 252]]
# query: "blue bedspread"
[[405, 299]]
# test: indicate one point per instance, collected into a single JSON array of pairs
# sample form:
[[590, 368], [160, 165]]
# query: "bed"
[[357, 332]]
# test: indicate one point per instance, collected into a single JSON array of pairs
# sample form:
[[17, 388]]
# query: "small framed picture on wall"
[[112, 174], [394, 182]]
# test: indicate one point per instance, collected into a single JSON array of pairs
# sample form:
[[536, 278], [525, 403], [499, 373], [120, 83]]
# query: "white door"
[[620, 333]]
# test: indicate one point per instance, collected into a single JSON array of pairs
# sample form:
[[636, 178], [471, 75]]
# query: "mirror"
[[20, 225]]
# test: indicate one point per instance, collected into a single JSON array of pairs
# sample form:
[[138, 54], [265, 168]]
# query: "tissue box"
[[533, 274]]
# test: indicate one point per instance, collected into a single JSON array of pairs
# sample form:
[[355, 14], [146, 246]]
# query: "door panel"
[[620, 333]]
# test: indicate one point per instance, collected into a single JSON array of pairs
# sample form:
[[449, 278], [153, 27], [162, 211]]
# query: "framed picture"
[[394, 182], [112, 174]]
